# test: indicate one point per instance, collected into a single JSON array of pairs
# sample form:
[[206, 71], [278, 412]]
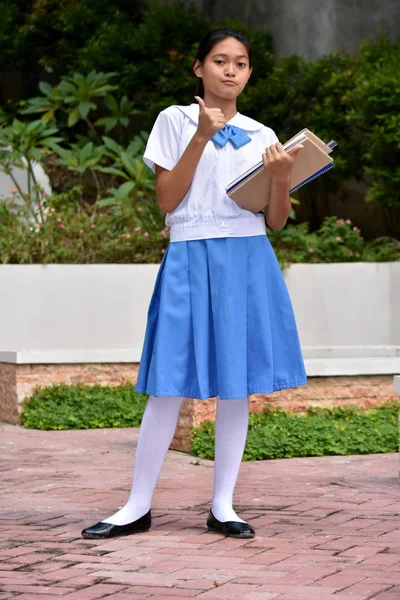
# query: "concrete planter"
[[347, 314], [81, 315]]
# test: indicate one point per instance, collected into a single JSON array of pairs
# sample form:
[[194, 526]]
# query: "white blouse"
[[206, 211]]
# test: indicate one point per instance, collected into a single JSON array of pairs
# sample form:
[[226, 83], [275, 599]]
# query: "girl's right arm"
[[172, 186]]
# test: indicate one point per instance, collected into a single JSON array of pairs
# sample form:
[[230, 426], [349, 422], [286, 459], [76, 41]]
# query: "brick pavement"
[[327, 528]]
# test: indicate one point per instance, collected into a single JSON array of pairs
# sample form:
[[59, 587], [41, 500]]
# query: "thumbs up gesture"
[[211, 120]]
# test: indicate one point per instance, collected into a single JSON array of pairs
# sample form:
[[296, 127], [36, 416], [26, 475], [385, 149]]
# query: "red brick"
[[290, 591], [185, 575], [261, 596], [195, 584], [366, 589], [19, 551], [7, 567], [228, 590], [362, 552], [341, 580], [268, 558], [30, 559], [392, 594], [64, 575], [28, 597], [33, 589], [158, 592], [264, 577], [94, 592], [87, 558], [20, 578], [382, 559], [131, 595]]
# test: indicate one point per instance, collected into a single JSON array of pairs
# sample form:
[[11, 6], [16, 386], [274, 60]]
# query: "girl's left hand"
[[278, 162]]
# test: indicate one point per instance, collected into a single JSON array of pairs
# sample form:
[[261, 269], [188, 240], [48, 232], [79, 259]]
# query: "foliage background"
[[146, 50]]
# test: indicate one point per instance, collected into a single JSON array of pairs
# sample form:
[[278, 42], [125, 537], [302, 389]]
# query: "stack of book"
[[251, 189]]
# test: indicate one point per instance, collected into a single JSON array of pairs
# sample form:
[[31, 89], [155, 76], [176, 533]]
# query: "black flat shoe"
[[107, 530], [234, 529]]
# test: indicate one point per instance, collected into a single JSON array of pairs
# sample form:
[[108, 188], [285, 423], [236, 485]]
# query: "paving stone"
[[35, 589], [261, 596], [326, 528], [342, 580], [391, 594], [366, 589], [102, 590], [228, 591], [131, 595]]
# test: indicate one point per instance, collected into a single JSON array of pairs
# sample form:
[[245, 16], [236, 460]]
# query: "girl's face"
[[225, 70]]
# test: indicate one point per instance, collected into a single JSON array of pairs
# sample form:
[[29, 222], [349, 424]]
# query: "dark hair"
[[209, 41]]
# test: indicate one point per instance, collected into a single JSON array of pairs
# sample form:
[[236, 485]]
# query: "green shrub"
[[52, 34], [338, 240], [320, 432], [149, 44], [80, 406], [71, 231], [149, 47], [75, 232], [351, 98], [295, 94], [375, 118]]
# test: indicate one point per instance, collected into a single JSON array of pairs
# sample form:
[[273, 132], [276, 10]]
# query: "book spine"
[[317, 174]]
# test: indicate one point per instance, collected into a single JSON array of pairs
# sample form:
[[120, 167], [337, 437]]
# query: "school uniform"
[[220, 321]]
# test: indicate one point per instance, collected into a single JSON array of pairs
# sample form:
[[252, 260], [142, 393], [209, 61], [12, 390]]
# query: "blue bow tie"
[[236, 135]]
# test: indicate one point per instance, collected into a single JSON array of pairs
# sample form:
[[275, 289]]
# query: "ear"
[[198, 69], [250, 72]]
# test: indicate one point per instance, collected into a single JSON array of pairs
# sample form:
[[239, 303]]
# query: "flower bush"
[[74, 231], [338, 240], [70, 230]]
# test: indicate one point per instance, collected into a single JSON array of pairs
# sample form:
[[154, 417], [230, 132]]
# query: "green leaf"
[[113, 171], [126, 188], [73, 117], [46, 89], [84, 108], [111, 103], [107, 202], [112, 145]]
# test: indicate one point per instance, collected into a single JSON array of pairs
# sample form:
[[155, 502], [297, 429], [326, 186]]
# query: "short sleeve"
[[270, 136], [163, 144]]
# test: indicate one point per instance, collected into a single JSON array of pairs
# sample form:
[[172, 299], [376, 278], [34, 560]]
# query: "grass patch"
[[320, 432], [81, 406]]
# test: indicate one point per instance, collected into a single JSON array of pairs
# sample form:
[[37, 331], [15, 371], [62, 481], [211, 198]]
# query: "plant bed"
[[319, 432], [80, 406], [273, 433]]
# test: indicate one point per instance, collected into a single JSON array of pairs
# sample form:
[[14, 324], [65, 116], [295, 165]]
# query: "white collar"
[[238, 120]]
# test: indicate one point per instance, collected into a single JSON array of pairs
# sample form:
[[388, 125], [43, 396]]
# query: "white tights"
[[155, 436]]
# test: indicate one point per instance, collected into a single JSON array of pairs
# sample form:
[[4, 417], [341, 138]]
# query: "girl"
[[220, 321]]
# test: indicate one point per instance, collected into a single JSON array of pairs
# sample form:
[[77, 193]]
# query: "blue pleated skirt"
[[220, 323]]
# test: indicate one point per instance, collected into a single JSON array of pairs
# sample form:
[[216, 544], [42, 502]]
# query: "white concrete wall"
[[346, 304], [74, 307], [347, 314]]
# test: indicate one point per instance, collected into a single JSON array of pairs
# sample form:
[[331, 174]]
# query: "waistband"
[[218, 228]]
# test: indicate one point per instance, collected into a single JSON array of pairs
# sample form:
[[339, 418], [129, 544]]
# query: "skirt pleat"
[[220, 323]]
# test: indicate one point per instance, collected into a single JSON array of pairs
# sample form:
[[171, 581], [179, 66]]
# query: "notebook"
[[251, 189]]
